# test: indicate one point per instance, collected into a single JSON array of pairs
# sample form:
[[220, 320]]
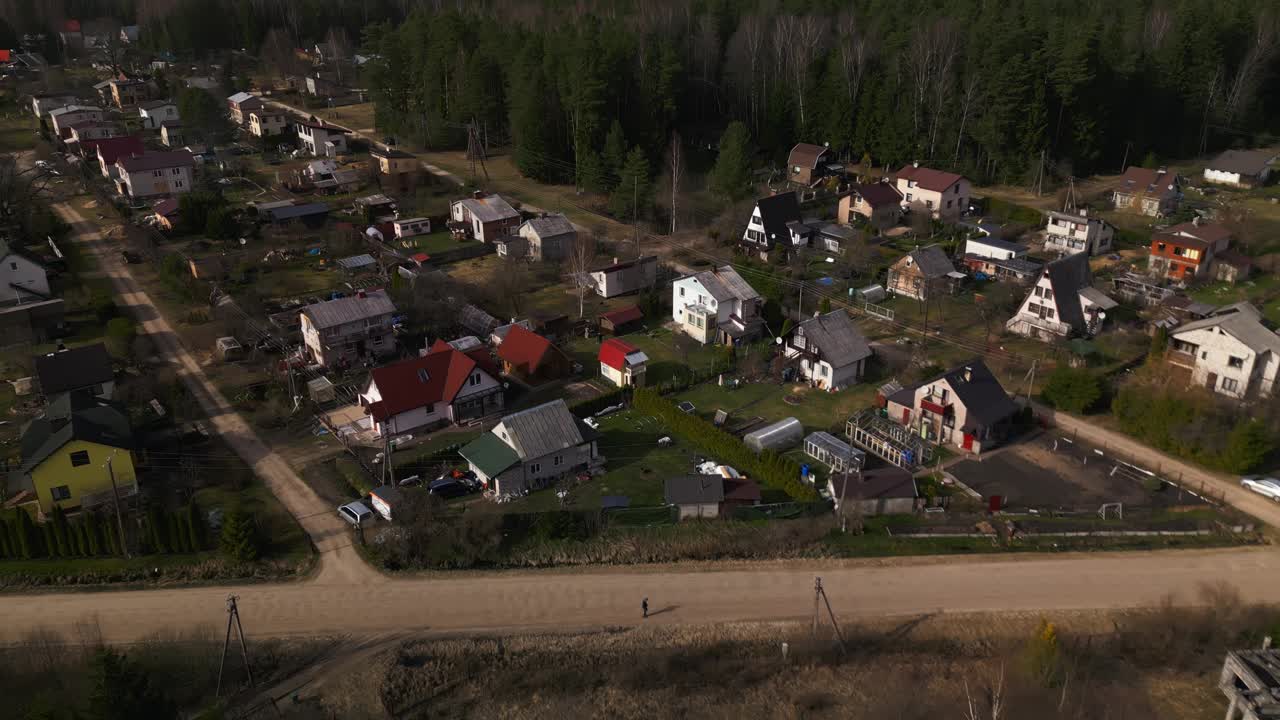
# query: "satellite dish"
[[778, 340], [243, 241], [1102, 314]]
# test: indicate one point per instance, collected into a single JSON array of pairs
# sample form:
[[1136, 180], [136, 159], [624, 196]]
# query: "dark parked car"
[[448, 489]]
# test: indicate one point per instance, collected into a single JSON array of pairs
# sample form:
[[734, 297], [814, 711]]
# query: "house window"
[[158, 173], [475, 379], [79, 458], [948, 204], [822, 370], [1230, 384], [62, 492], [908, 197], [558, 460], [1235, 362], [177, 183], [535, 468], [177, 171], [681, 292]]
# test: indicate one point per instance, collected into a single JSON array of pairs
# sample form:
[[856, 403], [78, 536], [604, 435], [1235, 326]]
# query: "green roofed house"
[[532, 449]]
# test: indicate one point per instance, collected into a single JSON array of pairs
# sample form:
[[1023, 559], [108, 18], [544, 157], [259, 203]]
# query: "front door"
[[1212, 381], [968, 442]]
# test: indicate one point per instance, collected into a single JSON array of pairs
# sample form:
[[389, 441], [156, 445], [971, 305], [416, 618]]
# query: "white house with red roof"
[[622, 363], [945, 195], [442, 387]]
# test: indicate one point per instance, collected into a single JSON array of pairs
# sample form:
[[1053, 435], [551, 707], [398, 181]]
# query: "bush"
[[769, 469], [1071, 389], [1193, 427], [239, 541], [119, 337]]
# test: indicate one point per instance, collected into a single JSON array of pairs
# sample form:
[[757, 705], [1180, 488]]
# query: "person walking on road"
[[644, 606]]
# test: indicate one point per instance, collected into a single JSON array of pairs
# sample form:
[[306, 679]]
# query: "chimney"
[[1084, 212], [616, 261], [477, 195], [915, 164], [968, 374]]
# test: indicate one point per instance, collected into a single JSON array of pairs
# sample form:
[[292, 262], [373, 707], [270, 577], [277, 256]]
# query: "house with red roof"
[[622, 363], [531, 358], [445, 386], [110, 150], [942, 194]]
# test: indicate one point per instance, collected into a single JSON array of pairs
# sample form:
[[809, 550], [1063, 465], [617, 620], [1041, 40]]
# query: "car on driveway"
[[1265, 486], [448, 488], [356, 513]]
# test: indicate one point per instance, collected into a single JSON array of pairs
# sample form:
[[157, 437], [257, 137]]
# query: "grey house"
[[532, 449], [831, 350], [550, 237]]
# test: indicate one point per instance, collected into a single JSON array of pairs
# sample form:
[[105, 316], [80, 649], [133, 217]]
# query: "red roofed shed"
[[531, 358]]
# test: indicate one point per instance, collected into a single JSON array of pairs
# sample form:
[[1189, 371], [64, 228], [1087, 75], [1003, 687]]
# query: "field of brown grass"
[[1157, 663]]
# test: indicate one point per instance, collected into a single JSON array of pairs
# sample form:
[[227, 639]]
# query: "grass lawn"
[[660, 344], [436, 242], [1262, 290], [284, 537], [636, 467], [817, 410]]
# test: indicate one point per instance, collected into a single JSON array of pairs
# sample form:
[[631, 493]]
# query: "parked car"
[[1267, 487], [448, 488], [130, 257], [356, 513]]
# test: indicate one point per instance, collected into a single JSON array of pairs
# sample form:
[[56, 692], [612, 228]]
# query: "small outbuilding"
[[882, 491], [695, 496], [833, 452], [384, 500], [622, 320], [778, 436], [321, 390], [228, 349]]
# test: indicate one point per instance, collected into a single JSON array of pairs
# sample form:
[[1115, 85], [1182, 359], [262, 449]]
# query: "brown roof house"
[[805, 164], [887, 490], [879, 203], [944, 195], [1150, 192], [530, 358], [921, 272]]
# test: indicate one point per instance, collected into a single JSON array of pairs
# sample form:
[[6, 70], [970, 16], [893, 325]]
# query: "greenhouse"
[[778, 436]]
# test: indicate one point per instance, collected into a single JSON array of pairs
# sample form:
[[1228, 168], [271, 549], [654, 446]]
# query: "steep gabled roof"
[[1140, 180], [74, 368], [932, 261], [424, 381], [775, 212], [928, 178], [622, 316], [156, 161], [618, 354], [1243, 322], [877, 194], [549, 226], [805, 155], [836, 337], [975, 386], [363, 306], [724, 283], [112, 149], [1069, 275], [75, 417], [543, 429], [490, 208], [523, 348]]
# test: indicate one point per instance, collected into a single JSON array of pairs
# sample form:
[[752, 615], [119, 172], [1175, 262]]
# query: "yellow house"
[[69, 455]]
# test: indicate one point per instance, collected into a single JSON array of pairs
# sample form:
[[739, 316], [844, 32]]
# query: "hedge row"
[[97, 534], [767, 468]]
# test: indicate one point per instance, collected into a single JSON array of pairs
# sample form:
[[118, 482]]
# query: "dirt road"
[[552, 600], [339, 562]]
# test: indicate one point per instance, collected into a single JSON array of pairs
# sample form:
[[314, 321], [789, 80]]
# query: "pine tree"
[[634, 194], [6, 551], [81, 539], [1247, 446], [49, 540], [28, 538], [197, 526], [179, 537], [615, 154], [731, 175], [157, 530], [62, 532], [93, 533], [239, 542]]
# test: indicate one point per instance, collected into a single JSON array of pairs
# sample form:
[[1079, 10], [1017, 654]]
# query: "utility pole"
[[1125, 162], [820, 594], [233, 615], [115, 498], [635, 211], [1040, 176]]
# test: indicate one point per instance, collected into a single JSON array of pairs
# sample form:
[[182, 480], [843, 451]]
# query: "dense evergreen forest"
[[984, 87]]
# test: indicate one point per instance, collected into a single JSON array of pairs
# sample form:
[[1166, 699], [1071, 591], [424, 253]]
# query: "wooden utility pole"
[[233, 616], [820, 594], [115, 498]]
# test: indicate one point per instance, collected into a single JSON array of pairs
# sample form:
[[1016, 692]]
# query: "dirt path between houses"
[[339, 562]]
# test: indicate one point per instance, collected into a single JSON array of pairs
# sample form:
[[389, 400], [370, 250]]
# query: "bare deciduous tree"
[[1157, 27], [797, 41], [582, 256], [675, 166], [857, 48], [934, 46], [1252, 65]]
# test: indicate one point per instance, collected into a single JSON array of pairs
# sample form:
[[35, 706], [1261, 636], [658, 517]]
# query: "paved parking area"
[[1036, 473]]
